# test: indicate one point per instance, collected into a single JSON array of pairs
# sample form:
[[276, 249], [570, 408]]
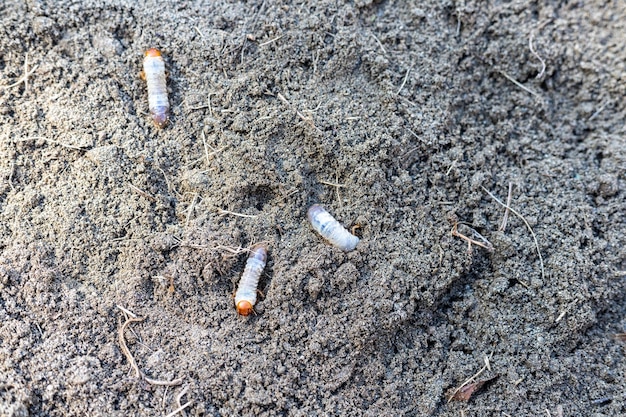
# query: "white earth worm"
[[154, 74], [245, 297], [330, 229]]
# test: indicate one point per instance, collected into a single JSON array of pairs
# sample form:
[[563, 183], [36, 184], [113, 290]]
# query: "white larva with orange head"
[[330, 229], [245, 297], [154, 73]]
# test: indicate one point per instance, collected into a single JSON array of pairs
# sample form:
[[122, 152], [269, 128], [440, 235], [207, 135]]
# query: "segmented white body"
[[330, 229], [154, 73], [245, 297]]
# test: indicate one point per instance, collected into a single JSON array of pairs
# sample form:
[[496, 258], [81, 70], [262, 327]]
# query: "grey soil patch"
[[414, 109]]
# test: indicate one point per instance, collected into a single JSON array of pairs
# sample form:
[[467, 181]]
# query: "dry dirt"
[[418, 110]]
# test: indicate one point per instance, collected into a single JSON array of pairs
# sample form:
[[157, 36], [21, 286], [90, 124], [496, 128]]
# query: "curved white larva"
[[154, 73], [245, 297], [330, 229]]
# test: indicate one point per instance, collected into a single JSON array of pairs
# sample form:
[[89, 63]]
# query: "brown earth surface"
[[400, 118]]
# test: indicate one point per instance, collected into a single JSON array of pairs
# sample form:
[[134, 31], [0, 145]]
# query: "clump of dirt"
[[407, 121]]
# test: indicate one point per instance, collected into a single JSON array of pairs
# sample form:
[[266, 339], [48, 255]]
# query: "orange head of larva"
[[160, 116], [152, 52], [244, 307]]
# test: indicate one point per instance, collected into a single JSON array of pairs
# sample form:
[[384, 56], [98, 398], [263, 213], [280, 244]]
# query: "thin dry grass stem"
[[412, 104], [122, 341], [233, 251], [332, 184], [337, 187], [203, 106], [260, 119], [532, 51], [406, 77], [207, 154], [225, 212], [125, 350], [190, 209], [410, 151], [517, 83], [380, 44], [230, 251], [23, 78], [506, 210], [565, 311], [179, 396], [482, 242], [597, 112], [271, 40], [164, 397], [473, 377], [11, 175], [169, 185], [194, 246], [163, 383], [126, 311], [413, 133], [199, 33], [305, 119], [530, 229], [180, 409], [141, 192], [451, 166], [209, 103], [54, 142], [245, 28]]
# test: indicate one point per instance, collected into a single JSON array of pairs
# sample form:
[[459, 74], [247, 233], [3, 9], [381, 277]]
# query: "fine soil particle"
[[399, 118]]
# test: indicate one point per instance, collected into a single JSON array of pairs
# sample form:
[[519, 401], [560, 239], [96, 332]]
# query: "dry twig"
[[125, 349], [483, 242]]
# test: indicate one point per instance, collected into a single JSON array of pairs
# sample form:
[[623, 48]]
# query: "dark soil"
[[418, 110]]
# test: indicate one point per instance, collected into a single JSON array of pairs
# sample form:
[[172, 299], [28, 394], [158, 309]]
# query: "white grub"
[[330, 229], [245, 297], [154, 74]]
